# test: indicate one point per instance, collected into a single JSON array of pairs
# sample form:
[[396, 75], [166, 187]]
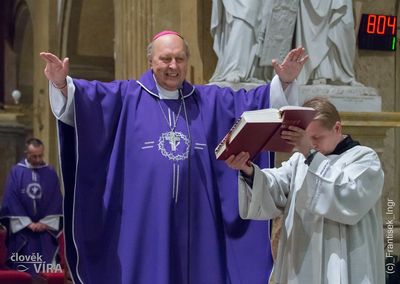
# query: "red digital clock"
[[377, 32]]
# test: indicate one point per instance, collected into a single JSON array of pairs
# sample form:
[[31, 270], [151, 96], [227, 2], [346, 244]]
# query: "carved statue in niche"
[[248, 35], [325, 28]]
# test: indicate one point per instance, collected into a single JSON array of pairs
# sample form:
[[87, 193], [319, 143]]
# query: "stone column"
[[44, 24], [133, 29]]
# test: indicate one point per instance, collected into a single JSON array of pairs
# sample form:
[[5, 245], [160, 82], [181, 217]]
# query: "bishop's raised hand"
[[56, 70]]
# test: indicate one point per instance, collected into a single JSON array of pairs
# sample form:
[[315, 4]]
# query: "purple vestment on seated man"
[[31, 193], [146, 200]]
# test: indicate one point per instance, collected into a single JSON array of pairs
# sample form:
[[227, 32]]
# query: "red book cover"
[[260, 130]]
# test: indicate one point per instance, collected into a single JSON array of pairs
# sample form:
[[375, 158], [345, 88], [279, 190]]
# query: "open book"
[[259, 130]]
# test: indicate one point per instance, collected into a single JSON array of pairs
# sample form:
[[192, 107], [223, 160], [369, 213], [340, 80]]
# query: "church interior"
[[106, 40]]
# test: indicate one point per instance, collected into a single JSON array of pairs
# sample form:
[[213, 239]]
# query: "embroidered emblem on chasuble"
[[34, 191], [174, 145]]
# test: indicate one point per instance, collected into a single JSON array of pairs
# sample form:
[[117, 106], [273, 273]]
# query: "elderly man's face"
[[34, 155], [169, 61]]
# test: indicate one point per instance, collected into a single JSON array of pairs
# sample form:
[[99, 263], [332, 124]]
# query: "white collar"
[[30, 166], [165, 94]]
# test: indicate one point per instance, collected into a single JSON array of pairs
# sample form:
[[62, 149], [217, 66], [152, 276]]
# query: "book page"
[[262, 115], [295, 107]]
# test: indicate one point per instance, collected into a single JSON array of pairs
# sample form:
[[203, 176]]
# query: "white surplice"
[[332, 231]]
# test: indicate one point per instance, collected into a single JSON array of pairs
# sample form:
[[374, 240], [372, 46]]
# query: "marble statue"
[[248, 35], [325, 28]]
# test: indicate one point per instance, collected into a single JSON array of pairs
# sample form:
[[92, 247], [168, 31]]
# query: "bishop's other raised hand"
[[291, 66]]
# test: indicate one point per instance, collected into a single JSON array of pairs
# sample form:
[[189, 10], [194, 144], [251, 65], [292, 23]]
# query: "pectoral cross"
[[173, 141]]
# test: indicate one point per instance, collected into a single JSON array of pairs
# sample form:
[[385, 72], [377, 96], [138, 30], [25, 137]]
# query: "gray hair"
[[150, 49]]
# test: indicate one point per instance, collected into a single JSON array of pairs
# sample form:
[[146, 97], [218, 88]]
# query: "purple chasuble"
[[146, 201], [33, 193]]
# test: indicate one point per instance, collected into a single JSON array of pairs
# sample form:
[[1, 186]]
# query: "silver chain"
[[166, 119]]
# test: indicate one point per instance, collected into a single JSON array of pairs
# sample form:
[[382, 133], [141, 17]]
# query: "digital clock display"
[[377, 32]]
